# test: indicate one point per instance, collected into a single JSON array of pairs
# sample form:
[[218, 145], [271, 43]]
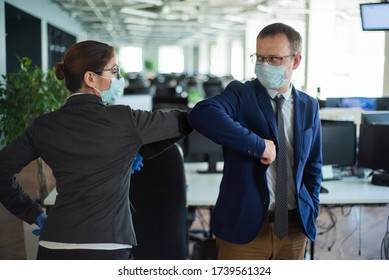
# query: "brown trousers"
[[266, 246]]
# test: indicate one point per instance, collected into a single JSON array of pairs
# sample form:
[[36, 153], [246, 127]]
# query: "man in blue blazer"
[[242, 119]]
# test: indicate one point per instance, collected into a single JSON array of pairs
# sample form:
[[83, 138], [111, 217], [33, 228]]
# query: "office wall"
[[48, 13]]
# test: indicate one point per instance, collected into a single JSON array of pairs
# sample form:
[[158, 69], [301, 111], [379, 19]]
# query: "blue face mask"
[[115, 90], [271, 77]]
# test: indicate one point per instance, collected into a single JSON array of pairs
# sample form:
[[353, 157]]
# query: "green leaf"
[[25, 95]]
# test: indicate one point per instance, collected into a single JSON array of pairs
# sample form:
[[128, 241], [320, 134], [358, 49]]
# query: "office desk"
[[203, 189], [353, 191]]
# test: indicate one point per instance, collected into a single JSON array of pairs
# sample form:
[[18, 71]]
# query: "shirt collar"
[[77, 98], [273, 93]]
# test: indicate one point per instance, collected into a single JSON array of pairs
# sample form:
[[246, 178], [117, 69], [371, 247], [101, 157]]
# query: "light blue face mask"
[[115, 90], [271, 77]]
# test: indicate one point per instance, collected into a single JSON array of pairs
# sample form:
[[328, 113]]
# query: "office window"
[[237, 60], [130, 59], [170, 59], [214, 61], [360, 57], [221, 55], [352, 65]]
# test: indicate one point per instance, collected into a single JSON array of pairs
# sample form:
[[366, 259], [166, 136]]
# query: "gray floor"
[[351, 233]]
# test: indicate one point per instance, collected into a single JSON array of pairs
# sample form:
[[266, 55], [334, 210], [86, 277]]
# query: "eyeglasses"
[[113, 70], [271, 60]]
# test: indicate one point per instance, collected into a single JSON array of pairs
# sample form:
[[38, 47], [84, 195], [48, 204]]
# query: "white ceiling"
[[180, 21]]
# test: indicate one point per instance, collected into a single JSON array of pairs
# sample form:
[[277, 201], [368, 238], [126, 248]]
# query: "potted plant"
[[149, 65], [25, 95]]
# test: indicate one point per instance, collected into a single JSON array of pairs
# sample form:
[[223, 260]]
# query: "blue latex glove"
[[40, 222], [137, 163]]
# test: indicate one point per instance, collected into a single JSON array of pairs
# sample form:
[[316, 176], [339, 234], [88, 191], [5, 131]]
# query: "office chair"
[[158, 197], [212, 86], [165, 85]]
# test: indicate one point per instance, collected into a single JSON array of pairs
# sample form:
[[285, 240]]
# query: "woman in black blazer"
[[91, 148]]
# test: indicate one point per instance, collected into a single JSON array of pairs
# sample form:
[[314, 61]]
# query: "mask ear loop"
[[104, 78], [97, 90], [90, 78]]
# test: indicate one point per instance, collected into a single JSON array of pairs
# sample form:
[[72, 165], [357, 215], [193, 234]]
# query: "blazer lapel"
[[264, 103]]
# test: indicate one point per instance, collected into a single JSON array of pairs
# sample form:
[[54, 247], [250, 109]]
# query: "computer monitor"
[[333, 102], [382, 104], [338, 143], [373, 152], [375, 117], [201, 149], [374, 16]]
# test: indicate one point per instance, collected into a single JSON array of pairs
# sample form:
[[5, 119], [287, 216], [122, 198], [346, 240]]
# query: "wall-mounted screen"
[[58, 41], [23, 37], [375, 16]]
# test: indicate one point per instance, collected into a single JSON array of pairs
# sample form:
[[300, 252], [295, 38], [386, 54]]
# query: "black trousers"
[[83, 254]]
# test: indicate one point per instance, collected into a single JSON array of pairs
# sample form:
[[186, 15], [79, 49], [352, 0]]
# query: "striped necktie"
[[281, 196]]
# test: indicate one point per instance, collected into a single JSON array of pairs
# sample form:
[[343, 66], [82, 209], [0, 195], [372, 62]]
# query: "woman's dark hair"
[[80, 58]]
